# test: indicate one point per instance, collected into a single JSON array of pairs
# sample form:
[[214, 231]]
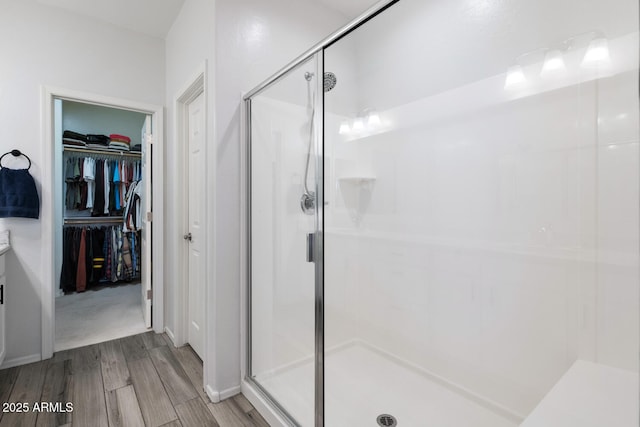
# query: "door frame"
[[48, 217], [194, 87]]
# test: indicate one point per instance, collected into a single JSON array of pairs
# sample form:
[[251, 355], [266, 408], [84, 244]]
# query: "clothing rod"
[[95, 220], [102, 152]]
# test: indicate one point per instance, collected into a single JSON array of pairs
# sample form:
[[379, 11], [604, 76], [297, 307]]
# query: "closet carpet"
[[100, 315], [137, 381]]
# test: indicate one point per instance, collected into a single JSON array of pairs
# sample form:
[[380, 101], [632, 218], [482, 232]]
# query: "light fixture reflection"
[[344, 128], [515, 77], [597, 53], [374, 120], [553, 63], [358, 125]]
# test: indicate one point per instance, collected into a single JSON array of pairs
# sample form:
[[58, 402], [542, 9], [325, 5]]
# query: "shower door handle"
[[310, 241]]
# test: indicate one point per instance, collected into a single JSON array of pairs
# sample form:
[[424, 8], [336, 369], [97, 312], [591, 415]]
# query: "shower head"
[[329, 81]]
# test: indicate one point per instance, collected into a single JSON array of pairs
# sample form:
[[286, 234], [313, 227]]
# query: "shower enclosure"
[[442, 221]]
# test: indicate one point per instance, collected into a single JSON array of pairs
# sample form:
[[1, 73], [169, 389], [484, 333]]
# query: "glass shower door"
[[283, 224]]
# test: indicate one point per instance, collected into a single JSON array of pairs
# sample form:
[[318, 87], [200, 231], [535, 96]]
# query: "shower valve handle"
[[188, 237]]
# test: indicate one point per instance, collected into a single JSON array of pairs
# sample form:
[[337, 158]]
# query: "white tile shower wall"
[[618, 180], [500, 241], [499, 247]]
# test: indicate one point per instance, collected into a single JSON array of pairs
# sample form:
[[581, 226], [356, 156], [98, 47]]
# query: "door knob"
[[187, 237]]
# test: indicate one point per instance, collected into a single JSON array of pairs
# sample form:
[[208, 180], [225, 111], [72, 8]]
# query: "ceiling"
[[349, 8], [133, 15]]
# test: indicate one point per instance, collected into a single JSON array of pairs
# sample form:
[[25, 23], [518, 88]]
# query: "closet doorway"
[[102, 199]]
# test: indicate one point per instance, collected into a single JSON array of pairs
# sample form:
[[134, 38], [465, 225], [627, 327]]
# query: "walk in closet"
[[101, 171]]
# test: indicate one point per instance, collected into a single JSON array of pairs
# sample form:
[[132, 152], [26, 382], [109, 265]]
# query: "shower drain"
[[386, 420]]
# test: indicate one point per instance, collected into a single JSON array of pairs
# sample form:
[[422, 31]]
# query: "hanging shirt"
[[89, 171], [107, 187], [116, 182]]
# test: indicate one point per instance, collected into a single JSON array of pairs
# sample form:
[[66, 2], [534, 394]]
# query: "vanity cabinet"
[[3, 303]]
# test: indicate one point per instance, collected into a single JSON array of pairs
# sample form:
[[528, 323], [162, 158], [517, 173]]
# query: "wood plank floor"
[[140, 380]]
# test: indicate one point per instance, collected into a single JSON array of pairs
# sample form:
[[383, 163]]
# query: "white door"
[[146, 229], [195, 234]]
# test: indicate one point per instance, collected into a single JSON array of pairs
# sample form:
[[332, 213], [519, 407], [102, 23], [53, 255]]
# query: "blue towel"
[[18, 194]]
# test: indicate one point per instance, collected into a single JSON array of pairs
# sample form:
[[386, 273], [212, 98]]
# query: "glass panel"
[[481, 232], [282, 281]]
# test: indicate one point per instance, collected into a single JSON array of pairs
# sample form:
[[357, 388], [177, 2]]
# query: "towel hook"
[[16, 153]]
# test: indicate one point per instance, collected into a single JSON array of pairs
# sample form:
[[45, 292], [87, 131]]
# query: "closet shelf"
[[115, 153], [94, 220]]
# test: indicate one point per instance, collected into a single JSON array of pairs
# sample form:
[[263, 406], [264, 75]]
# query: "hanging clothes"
[[98, 203], [98, 255], [81, 275], [133, 208], [99, 185]]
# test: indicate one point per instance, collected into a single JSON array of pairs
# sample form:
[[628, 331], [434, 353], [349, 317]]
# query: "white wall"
[[95, 119], [243, 43], [42, 45], [190, 44]]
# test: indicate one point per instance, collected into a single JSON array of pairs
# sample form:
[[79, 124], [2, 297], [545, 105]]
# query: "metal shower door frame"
[[318, 50]]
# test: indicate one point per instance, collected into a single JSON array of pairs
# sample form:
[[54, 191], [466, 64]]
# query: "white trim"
[[214, 395], [171, 335], [47, 216], [218, 396], [244, 267], [230, 392], [265, 409], [17, 361], [48, 94]]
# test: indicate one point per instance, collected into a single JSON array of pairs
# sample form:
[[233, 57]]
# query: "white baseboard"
[[17, 361], [218, 396], [170, 334], [225, 394], [213, 394]]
